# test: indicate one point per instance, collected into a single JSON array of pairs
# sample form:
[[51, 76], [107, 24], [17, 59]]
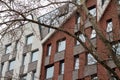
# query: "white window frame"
[[49, 72], [34, 56], [61, 45], [109, 26], [93, 34], [90, 59]]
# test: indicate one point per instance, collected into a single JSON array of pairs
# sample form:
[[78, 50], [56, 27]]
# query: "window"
[[78, 2], [34, 75], [49, 72], [11, 65], [16, 45], [90, 59], [24, 77], [94, 77], [61, 45], [116, 48], [29, 39], [34, 56], [49, 30], [103, 1], [62, 67], [1, 68], [24, 60], [49, 47], [93, 35], [76, 63], [92, 11], [82, 38], [8, 49], [109, 26], [78, 20]]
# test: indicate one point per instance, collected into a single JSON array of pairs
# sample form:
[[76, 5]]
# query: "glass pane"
[[49, 72], [76, 63], [109, 26], [93, 12], [91, 59], [62, 68], [116, 48], [24, 60], [82, 37], [35, 56], [11, 65], [8, 49], [93, 35], [29, 39], [61, 45], [49, 50]]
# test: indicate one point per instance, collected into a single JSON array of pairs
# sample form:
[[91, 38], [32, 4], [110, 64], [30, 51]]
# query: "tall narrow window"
[[62, 67], [34, 75], [1, 68], [93, 34], [34, 56], [102, 3], [109, 26], [11, 65], [16, 45], [29, 39], [90, 59], [8, 49], [24, 60], [61, 45], [76, 62], [24, 77], [92, 11], [49, 47], [49, 72]]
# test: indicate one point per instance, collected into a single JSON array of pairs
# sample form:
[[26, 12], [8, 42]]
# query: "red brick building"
[[64, 58]]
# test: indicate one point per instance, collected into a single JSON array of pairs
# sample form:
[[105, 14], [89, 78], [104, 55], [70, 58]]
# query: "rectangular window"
[[11, 65], [49, 47], [24, 60], [61, 45], [16, 45], [116, 48], [109, 26], [62, 67], [90, 59], [34, 75], [49, 72], [34, 56], [29, 39], [82, 38], [94, 77], [78, 2], [92, 11], [76, 62], [8, 49], [93, 34], [1, 68], [24, 77], [102, 3]]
